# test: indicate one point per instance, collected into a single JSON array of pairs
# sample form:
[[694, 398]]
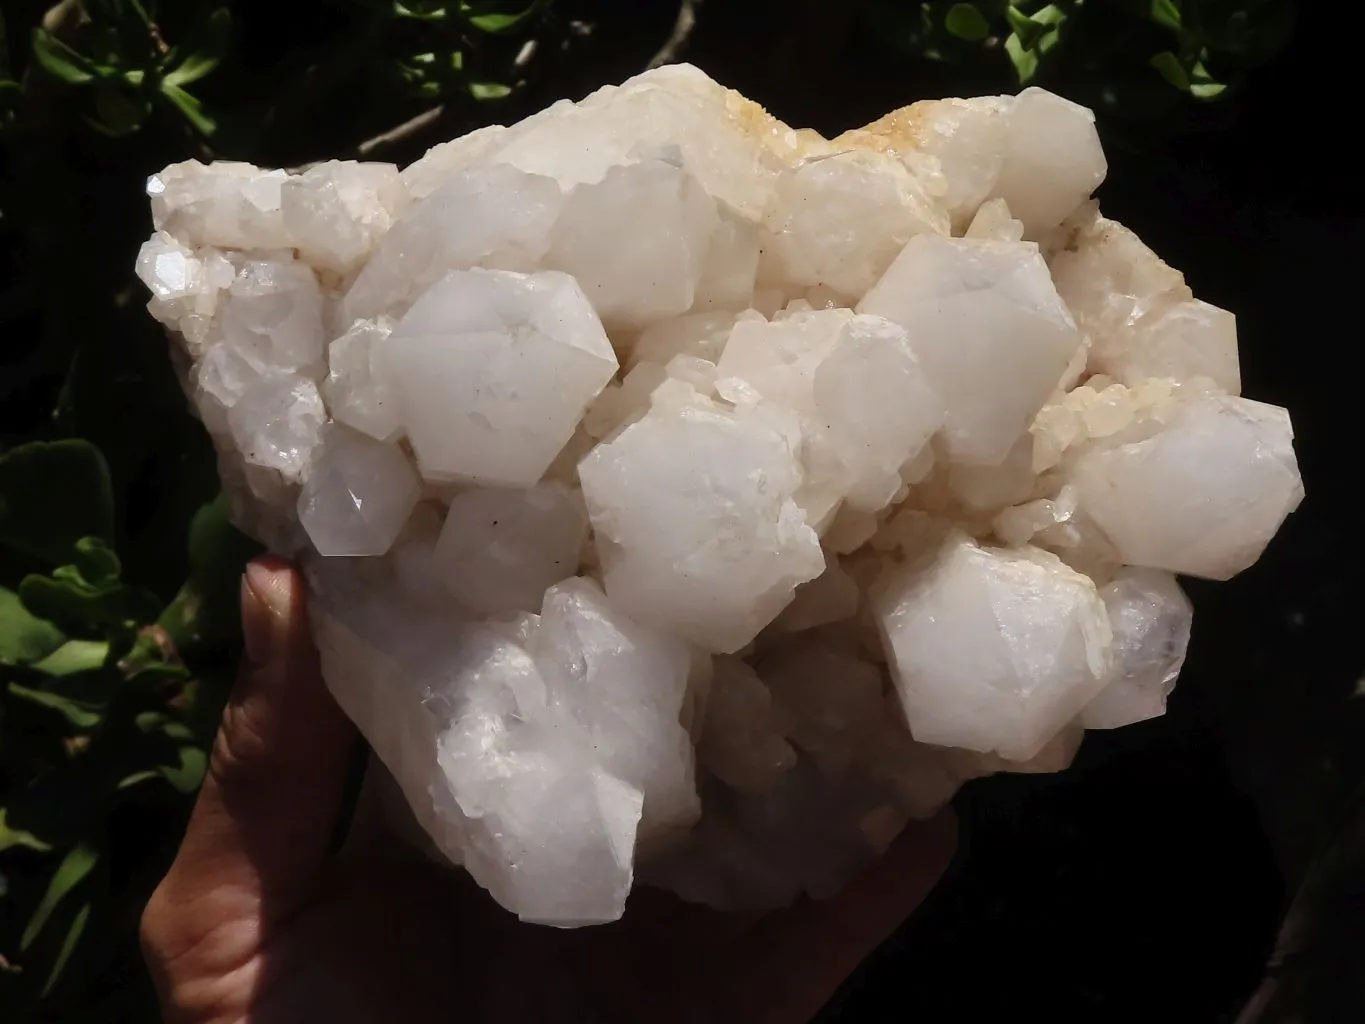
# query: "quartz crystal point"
[[993, 650], [1150, 617], [1202, 495], [491, 370], [689, 500], [987, 324], [356, 391], [1140, 317], [358, 494], [695, 523], [657, 276]]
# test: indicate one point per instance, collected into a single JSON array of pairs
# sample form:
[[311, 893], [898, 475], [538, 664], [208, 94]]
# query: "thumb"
[[264, 818]]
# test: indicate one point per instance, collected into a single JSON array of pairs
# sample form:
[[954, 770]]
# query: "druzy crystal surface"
[[690, 500]]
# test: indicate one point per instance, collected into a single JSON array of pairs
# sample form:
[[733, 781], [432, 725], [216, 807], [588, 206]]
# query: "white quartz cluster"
[[691, 499]]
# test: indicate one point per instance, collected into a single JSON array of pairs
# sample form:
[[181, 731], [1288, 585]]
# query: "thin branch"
[[368, 149], [673, 45], [408, 128], [677, 39]]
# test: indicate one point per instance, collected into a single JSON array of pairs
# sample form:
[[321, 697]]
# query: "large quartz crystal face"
[[993, 649], [991, 330], [491, 370], [696, 528], [691, 501]]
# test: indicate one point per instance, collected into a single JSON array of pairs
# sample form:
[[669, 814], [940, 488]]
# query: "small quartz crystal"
[[356, 391], [358, 494], [687, 500], [1150, 617]]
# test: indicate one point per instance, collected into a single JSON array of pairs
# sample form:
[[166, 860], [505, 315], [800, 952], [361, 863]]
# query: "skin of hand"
[[258, 921]]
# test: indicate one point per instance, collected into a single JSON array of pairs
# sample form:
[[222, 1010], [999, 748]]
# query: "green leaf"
[[11, 837], [1033, 37], [191, 760], [96, 563], [74, 656], [150, 721], [486, 18], [118, 113], [497, 22], [488, 90], [1025, 61], [1204, 86], [177, 730], [1037, 30], [129, 781], [206, 611], [1050, 15], [88, 593], [61, 61], [153, 661], [194, 67], [66, 598], [1168, 64], [33, 476], [24, 638], [74, 868], [1166, 12], [188, 773], [1208, 90], [208, 44], [81, 714], [69, 944], [1024, 27], [966, 22], [428, 12], [190, 107]]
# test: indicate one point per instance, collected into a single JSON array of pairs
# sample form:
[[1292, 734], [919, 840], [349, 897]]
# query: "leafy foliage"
[[1130, 58], [100, 709]]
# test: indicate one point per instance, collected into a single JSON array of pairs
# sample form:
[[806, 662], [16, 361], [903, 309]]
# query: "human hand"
[[257, 922]]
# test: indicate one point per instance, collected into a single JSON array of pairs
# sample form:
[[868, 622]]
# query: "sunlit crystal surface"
[[690, 501]]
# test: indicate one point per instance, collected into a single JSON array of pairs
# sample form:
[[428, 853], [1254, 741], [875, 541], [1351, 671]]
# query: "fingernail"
[[261, 606]]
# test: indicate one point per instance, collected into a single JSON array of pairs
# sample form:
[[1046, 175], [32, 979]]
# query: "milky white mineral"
[[691, 501]]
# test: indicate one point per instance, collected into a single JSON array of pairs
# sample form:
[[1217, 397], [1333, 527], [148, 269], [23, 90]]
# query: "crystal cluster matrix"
[[693, 500]]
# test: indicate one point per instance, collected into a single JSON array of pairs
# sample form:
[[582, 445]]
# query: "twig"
[[367, 149], [408, 128], [673, 45], [677, 39]]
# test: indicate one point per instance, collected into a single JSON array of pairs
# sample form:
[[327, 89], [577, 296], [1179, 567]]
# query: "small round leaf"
[[966, 22]]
